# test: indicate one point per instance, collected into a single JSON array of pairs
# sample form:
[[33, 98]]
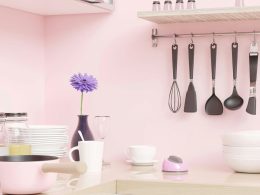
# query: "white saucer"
[[151, 163]]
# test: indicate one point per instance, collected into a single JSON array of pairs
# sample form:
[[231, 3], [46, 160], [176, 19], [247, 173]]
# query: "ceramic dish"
[[242, 150], [142, 163], [242, 139], [244, 165]]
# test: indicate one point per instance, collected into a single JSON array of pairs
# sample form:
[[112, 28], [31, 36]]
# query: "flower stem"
[[81, 104]]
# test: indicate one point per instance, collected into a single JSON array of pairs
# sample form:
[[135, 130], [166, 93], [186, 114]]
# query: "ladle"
[[234, 102]]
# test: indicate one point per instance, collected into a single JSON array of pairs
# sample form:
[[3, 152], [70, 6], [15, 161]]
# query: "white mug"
[[141, 153], [90, 152]]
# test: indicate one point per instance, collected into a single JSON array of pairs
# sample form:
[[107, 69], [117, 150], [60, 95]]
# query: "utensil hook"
[[191, 38], [174, 36], [235, 37], [254, 38], [213, 37]]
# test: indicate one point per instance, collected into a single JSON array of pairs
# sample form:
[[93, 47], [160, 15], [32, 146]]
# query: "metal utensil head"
[[254, 47]]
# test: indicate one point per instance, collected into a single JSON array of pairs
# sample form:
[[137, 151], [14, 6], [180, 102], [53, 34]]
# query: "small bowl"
[[242, 139], [243, 164], [242, 150]]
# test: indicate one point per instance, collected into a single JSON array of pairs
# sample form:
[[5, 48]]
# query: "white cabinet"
[[60, 7]]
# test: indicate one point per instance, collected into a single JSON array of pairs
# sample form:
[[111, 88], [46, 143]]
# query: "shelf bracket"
[[154, 37]]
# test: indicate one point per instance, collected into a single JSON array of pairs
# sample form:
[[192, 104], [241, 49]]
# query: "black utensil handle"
[[213, 49], [234, 59], [253, 61], [174, 60], [191, 59]]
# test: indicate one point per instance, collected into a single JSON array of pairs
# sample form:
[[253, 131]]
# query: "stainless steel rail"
[[156, 36]]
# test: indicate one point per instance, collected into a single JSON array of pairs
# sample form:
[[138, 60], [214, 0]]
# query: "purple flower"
[[83, 82]]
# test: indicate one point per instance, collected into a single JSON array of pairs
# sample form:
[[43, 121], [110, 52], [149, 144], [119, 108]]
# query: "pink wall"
[[22, 63], [134, 78]]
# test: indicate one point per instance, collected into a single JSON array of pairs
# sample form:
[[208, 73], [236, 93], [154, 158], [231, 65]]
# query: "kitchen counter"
[[125, 179]]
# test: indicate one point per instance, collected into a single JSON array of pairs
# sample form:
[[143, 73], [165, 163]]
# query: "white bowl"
[[242, 156], [243, 165], [242, 150], [242, 139]]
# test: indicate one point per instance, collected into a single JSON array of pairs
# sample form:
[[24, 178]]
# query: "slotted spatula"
[[253, 61], [191, 97]]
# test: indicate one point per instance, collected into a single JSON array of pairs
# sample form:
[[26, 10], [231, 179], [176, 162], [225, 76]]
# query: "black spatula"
[[191, 97], [213, 105], [253, 61]]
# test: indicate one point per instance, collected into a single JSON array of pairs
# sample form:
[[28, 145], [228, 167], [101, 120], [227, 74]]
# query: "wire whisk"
[[174, 101]]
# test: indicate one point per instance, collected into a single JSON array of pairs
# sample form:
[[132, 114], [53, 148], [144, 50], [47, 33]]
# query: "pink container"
[[169, 166]]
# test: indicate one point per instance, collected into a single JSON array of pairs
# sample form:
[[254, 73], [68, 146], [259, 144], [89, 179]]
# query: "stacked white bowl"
[[242, 151], [44, 140]]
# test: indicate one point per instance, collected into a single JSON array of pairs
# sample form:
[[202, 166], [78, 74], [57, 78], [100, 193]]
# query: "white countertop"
[[119, 171]]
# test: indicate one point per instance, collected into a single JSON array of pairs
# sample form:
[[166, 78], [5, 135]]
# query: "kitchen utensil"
[[90, 152], [167, 5], [253, 63], [29, 174], [191, 98], [234, 102], [81, 136], [174, 101], [213, 105], [242, 139], [191, 4], [156, 6], [179, 5], [174, 164]]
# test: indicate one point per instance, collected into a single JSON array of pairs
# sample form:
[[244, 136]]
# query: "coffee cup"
[[141, 153], [90, 152]]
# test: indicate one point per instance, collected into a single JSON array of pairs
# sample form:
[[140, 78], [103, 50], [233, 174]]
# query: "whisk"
[[174, 101]]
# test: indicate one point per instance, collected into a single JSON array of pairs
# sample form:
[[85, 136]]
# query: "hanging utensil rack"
[[156, 36]]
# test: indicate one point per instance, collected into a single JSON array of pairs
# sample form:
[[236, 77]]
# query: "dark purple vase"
[[86, 132]]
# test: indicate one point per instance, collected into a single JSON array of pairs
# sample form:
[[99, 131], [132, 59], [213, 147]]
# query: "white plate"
[[40, 142], [45, 139], [39, 127], [142, 163], [49, 147], [47, 131], [47, 143]]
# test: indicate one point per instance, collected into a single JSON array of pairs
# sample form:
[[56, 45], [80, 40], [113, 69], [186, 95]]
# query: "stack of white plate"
[[242, 151], [45, 140]]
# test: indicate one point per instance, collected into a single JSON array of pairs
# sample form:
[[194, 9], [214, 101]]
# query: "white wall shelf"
[[202, 15], [58, 7]]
